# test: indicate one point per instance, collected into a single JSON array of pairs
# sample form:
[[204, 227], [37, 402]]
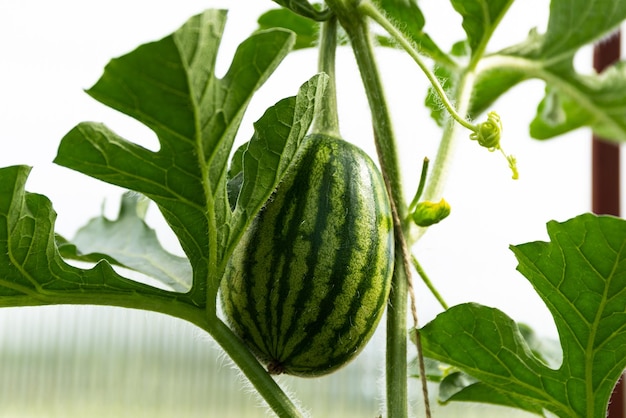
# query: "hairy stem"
[[327, 118], [265, 385], [443, 160], [411, 291], [369, 9], [396, 376]]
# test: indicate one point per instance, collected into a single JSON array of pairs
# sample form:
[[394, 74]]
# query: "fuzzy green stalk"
[[458, 113], [369, 9], [264, 384], [327, 118], [443, 159], [396, 352]]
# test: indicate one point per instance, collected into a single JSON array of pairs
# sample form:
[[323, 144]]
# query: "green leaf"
[[277, 137], [129, 242], [480, 19], [32, 271], [581, 276], [170, 86], [490, 85], [460, 387], [457, 386], [306, 30]]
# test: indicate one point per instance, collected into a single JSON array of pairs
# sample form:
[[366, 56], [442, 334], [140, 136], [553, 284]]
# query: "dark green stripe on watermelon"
[[307, 285]]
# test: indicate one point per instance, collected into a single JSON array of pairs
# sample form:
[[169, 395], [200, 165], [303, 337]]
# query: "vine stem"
[[404, 248], [445, 152], [357, 30], [327, 118], [370, 10], [396, 370], [458, 112], [264, 384]]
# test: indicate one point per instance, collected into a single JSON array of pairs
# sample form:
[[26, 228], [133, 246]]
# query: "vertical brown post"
[[606, 182]]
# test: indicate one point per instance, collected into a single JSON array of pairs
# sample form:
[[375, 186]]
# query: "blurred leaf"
[[406, 14], [490, 85], [170, 86], [306, 30], [572, 100], [435, 370], [480, 19], [32, 271], [576, 23], [306, 9], [129, 242], [460, 387], [547, 350], [597, 101], [581, 276]]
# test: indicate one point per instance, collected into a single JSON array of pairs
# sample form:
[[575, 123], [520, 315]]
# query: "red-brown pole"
[[605, 183]]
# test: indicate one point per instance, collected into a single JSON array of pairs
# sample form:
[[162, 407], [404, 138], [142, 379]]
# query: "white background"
[[51, 51]]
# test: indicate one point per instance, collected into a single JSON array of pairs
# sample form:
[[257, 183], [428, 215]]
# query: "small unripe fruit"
[[306, 286]]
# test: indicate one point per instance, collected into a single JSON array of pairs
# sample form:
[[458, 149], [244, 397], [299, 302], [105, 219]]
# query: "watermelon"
[[307, 285]]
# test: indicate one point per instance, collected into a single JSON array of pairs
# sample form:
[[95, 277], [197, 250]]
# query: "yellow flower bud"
[[428, 213]]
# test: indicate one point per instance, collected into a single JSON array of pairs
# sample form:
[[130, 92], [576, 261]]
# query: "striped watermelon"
[[307, 284]]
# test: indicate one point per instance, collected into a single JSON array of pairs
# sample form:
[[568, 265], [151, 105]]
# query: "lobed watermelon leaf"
[[170, 86], [581, 276], [32, 271]]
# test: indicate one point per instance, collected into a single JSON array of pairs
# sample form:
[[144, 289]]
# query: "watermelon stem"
[[327, 117], [262, 381], [355, 25], [368, 8]]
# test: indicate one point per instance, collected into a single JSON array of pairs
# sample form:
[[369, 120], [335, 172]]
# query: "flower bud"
[[429, 213]]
